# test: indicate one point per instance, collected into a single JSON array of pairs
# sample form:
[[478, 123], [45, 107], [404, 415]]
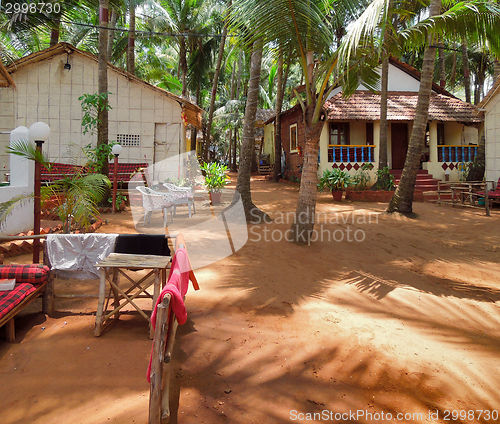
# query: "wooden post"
[[156, 293], [157, 361], [10, 331], [48, 306], [37, 206], [100, 305], [486, 200], [165, 401]]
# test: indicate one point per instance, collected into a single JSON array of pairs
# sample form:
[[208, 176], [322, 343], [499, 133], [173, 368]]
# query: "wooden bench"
[[31, 282]]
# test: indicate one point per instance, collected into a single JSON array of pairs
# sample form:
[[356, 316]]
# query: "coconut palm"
[[474, 19], [477, 23], [301, 27], [80, 193]]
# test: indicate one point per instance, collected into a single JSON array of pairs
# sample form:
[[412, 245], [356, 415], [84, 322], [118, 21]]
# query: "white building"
[[45, 86], [490, 107], [351, 134]]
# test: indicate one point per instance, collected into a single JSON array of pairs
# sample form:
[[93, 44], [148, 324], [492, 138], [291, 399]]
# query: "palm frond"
[[7, 207], [27, 150]]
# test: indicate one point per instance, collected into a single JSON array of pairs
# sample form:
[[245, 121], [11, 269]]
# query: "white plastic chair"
[[154, 201], [181, 196]]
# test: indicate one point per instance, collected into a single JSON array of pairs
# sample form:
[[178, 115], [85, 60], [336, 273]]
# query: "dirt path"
[[402, 319]]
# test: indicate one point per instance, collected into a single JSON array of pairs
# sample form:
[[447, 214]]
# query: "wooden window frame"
[[296, 149], [344, 127]]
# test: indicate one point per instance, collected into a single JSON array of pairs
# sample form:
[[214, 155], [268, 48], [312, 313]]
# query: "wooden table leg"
[[100, 305], [116, 296]]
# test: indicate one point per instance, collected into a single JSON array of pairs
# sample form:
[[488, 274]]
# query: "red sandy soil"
[[404, 321]]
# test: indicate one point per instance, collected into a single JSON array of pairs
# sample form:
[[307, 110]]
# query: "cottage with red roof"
[[351, 133]]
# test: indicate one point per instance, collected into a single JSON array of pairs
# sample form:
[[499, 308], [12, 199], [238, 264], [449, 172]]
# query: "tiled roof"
[[365, 105]]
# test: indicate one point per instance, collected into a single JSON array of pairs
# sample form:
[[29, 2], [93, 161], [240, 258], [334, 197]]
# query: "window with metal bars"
[[128, 139]]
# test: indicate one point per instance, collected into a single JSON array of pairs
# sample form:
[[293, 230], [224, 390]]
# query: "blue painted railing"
[[465, 153], [351, 153]]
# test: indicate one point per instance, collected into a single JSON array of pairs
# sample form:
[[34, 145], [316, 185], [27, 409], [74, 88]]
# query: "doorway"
[[399, 144]]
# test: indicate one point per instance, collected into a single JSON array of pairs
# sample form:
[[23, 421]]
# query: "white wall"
[[47, 92], [22, 181], [398, 81], [492, 136]]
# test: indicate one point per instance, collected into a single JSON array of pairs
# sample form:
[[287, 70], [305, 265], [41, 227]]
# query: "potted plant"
[[335, 180], [215, 180]]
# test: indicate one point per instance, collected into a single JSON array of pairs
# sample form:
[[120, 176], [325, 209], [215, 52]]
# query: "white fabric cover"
[[75, 255]]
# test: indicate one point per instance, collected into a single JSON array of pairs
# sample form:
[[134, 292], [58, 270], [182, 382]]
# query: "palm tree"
[[252, 212], [473, 19], [131, 39], [80, 193], [215, 83], [102, 114], [479, 23], [301, 27]]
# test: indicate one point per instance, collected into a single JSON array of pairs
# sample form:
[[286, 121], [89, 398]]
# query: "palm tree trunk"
[[54, 32], [131, 39], [252, 213], [301, 231], [111, 34], [235, 148], [102, 126], [442, 67], [183, 67], [384, 94], [215, 83], [465, 64], [277, 121], [238, 79], [402, 201], [233, 82]]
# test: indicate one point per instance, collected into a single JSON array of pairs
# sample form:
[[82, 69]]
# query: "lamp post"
[[39, 133], [116, 150]]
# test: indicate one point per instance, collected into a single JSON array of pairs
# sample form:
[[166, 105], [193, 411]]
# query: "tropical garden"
[[234, 57]]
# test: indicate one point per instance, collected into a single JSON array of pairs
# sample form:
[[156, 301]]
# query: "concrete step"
[[398, 172]]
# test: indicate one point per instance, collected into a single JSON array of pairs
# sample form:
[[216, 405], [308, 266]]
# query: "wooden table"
[[116, 264]]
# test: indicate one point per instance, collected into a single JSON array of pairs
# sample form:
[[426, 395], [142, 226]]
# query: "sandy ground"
[[399, 324]]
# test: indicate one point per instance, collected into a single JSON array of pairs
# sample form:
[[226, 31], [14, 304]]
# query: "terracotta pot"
[[215, 198], [337, 195]]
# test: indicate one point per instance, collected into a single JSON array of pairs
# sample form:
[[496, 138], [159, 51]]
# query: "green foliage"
[[81, 195], [98, 156], [463, 170], [120, 198], [334, 180], [215, 176], [361, 179], [91, 105], [7, 207], [180, 182], [385, 180], [28, 150]]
